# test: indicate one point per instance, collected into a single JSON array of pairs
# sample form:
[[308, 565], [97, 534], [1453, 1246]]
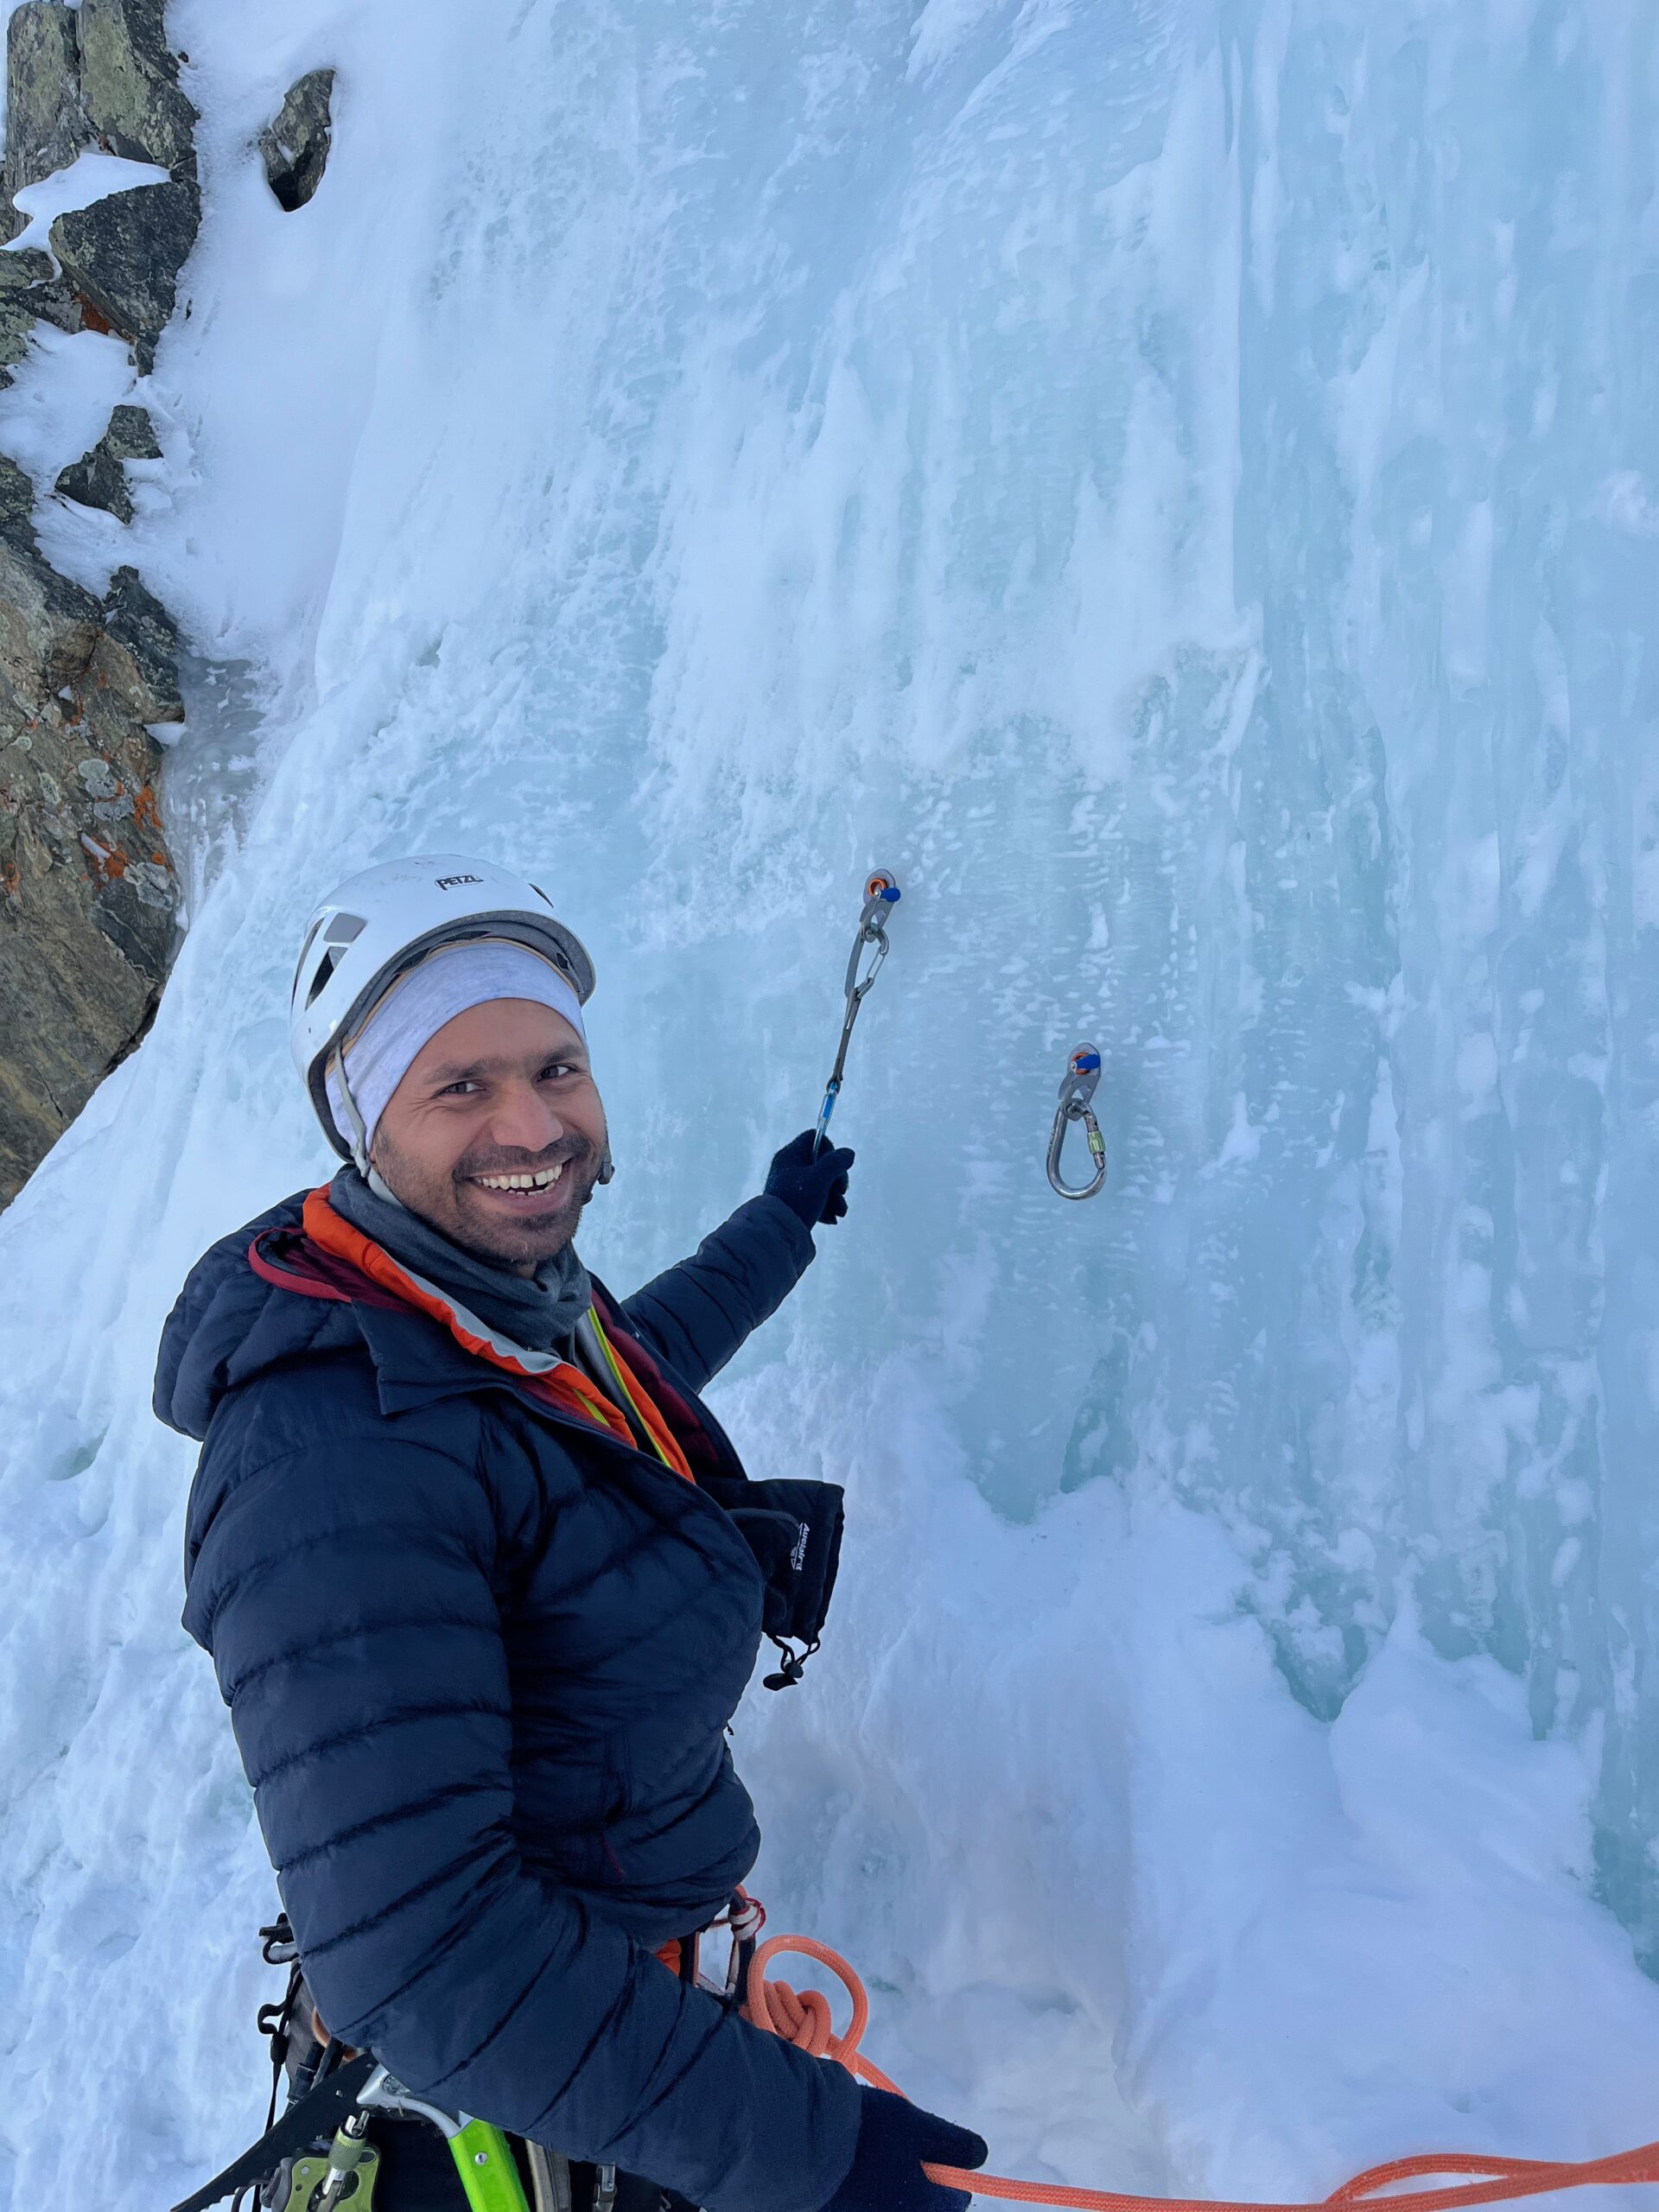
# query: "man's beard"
[[510, 1232]]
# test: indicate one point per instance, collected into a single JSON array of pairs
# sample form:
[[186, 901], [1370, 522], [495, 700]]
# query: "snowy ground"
[[1179, 480]]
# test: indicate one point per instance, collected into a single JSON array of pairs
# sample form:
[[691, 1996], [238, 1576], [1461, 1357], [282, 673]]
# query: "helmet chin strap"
[[357, 1133]]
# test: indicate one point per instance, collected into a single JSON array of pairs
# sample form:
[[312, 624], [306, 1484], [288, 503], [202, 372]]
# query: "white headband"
[[448, 982]]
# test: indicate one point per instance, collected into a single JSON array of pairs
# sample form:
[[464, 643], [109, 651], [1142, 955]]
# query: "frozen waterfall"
[[1180, 480]]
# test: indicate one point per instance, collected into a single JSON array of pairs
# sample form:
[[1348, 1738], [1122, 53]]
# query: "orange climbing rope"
[[804, 2018]]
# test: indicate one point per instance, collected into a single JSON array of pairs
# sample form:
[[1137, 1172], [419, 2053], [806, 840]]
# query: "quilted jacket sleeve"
[[697, 1315], [355, 1629]]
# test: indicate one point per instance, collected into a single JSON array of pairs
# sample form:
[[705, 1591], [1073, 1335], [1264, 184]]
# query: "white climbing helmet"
[[377, 924]]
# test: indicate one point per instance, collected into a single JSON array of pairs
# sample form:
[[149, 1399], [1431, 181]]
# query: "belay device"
[[881, 895], [1077, 1090]]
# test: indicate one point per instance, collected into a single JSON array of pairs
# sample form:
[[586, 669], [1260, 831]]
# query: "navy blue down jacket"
[[479, 1659]]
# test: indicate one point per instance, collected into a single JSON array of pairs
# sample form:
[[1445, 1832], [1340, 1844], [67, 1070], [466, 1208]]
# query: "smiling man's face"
[[496, 1135]]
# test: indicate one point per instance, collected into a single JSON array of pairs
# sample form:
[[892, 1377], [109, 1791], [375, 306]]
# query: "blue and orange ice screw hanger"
[[881, 895], [1077, 1090]]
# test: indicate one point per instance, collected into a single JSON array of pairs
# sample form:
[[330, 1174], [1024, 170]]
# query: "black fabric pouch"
[[794, 1530]]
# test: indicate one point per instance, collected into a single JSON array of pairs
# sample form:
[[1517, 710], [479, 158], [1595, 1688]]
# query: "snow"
[[59, 406], [1176, 480], [89, 177]]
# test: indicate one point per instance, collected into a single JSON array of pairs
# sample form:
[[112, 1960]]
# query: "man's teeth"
[[538, 1181]]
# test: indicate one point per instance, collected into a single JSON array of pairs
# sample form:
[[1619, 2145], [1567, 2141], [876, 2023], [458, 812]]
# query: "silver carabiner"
[[1077, 1090], [881, 895]]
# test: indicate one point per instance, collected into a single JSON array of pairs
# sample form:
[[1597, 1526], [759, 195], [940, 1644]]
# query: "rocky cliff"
[[88, 893]]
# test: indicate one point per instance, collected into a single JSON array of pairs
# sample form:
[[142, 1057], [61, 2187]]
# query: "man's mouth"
[[518, 1185]]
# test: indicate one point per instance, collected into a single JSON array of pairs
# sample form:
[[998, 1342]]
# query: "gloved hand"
[[894, 2140], [813, 1188]]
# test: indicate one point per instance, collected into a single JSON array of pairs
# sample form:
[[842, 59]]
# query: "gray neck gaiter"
[[538, 1312]]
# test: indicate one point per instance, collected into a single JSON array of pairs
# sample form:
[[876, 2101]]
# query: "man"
[[483, 1581]]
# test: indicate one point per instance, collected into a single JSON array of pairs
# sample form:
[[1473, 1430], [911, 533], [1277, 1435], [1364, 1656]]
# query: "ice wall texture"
[[1179, 482]]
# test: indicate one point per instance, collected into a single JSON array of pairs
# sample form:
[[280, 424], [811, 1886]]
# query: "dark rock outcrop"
[[87, 893], [122, 257], [97, 479], [16, 500], [46, 124], [130, 84], [135, 660], [31, 291], [102, 76], [48, 627], [295, 147], [131, 435], [88, 898]]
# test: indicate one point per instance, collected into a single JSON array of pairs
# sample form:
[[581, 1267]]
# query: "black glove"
[[794, 1530], [894, 2140], [811, 1183]]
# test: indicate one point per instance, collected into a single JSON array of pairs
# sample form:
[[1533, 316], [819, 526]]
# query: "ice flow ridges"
[[1178, 481]]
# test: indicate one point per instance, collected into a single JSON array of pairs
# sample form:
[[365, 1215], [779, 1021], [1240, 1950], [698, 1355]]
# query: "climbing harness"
[[292, 2176], [347, 2101], [881, 895], [1077, 1089]]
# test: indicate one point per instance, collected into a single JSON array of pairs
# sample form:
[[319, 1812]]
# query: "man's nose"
[[523, 1120]]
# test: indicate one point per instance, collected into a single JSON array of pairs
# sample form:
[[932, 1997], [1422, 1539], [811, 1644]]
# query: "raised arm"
[[696, 1314], [354, 1628]]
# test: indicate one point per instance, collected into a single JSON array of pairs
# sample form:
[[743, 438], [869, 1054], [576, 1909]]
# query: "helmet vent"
[[344, 929], [326, 968]]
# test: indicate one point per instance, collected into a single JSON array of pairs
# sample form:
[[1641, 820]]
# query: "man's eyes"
[[465, 1085]]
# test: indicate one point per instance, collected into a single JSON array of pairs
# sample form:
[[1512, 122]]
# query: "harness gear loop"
[[881, 895], [1077, 1089]]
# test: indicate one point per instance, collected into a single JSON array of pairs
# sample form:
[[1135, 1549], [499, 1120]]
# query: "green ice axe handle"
[[488, 2176], [486, 2169]]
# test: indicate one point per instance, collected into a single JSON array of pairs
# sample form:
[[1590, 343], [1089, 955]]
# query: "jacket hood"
[[229, 1324], [237, 1315]]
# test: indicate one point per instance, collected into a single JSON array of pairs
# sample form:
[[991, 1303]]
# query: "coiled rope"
[[804, 2018]]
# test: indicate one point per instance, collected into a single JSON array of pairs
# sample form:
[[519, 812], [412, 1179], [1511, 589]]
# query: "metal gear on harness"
[[483, 2161], [347, 2175], [1077, 1090], [881, 895], [345, 2102], [333, 2100], [292, 2173]]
